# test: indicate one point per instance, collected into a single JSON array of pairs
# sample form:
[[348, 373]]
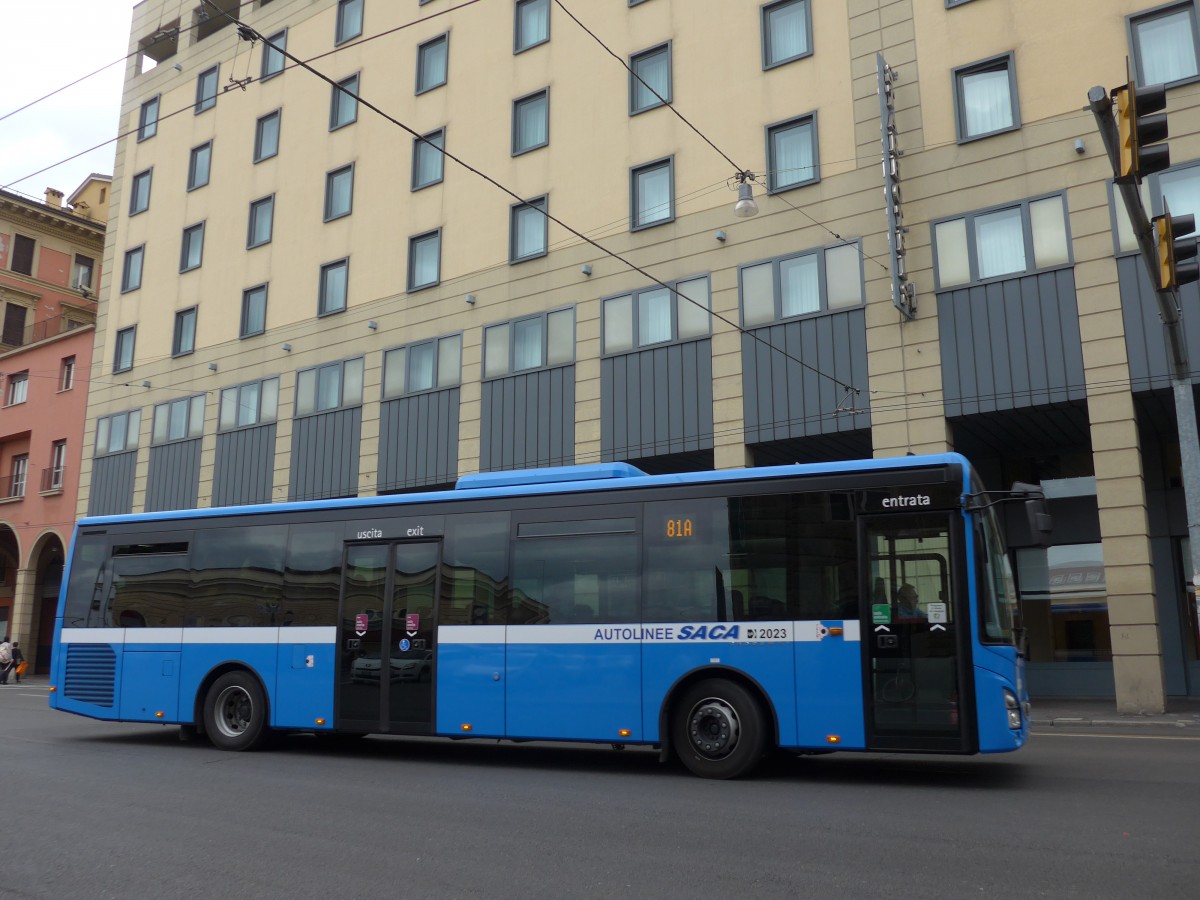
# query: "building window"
[[343, 103], [58, 465], [262, 222], [950, 4], [432, 57], [266, 137], [1064, 603], [85, 268], [148, 119], [254, 311], [253, 403], [650, 80], [653, 190], [996, 243], [531, 122], [815, 281], [334, 386], [123, 355], [534, 342], [349, 21], [18, 388], [335, 277], [117, 433], [424, 260], [786, 27], [656, 315], [273, 59], [422, 367], [66, 374], [339, 192], [532, 24], [1164, 44], [22, 254], [985, 98], [199, 165], [184, 341], [792, 153], [20, 471], [206, 89], [191, 251], [178, 420], [528, 227], [428, 159], [131, 274], [139, 193]]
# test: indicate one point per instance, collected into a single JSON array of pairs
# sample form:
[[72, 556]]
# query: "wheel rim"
[[713, 728], [235, 711]]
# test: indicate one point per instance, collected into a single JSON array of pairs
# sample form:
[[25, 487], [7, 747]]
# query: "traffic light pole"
[[1169, 310]]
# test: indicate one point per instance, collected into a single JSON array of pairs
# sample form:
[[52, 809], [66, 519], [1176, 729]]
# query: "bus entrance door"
[[386, 636], [915, 625]]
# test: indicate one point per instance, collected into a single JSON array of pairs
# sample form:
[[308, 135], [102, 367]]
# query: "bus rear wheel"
[[719, 729], [235, 712]]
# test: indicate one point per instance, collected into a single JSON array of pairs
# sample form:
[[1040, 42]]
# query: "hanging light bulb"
[[745, 206]]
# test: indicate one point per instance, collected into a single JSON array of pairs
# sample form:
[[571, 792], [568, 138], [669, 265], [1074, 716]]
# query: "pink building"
[[49, 272]]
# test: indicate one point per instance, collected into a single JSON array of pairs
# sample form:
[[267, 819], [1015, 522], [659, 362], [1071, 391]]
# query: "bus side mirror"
[[1037, 514]]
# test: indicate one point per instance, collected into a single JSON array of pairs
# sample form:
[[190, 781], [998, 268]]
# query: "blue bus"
[[863, 605]]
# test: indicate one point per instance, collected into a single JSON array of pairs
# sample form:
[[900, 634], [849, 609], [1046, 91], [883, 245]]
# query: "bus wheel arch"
[[733, 707], [232, 708]]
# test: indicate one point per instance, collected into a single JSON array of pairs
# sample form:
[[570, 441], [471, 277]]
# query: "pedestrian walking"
[[6, 660], [18, 661]]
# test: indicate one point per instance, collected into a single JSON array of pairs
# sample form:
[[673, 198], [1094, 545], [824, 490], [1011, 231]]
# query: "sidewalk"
[[1064, 712]]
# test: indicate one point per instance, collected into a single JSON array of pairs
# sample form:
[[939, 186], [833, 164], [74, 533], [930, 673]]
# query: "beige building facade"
[[302, 298]]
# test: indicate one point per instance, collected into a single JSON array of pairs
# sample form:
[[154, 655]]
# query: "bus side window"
[[475, 570], [150, 587], [237, 576], [581, 579], [312, 575], [85, 587]]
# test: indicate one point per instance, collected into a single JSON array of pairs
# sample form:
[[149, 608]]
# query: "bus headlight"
[[1013, 707]]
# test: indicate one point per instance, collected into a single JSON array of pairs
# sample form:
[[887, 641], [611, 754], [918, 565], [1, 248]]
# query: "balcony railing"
[[52, 480], [38, 331], [13, 488]]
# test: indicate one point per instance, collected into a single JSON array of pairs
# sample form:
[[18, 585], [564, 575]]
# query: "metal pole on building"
[[1172, 318]]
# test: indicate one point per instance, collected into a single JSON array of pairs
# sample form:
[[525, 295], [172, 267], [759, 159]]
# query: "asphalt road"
[[92, 809]]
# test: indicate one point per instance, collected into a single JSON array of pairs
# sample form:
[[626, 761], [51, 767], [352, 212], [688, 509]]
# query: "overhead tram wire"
[[178, 32], [741, 173], [250, 34]]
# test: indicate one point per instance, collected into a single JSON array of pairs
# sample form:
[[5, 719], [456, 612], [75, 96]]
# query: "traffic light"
[[1172, 270], [1140, 123]]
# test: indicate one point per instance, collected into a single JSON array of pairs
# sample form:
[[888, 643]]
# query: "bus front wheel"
[[719, 729], [235, 712]]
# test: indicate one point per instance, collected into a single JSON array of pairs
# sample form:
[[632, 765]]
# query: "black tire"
[[235, 713], [719, 729]]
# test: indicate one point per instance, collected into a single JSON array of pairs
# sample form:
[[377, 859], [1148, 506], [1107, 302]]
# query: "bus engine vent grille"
[[91, 674]]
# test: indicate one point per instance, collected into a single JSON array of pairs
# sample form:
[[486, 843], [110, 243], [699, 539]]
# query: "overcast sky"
[[50, 43]]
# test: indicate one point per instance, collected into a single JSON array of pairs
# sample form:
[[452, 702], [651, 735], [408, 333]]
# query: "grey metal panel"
[[244, 471], [1011, 344], [174, 478], [528, 420], [325, 450], [418, 440], [783, 399], [111, 492], [657, 401], [1145, 341]]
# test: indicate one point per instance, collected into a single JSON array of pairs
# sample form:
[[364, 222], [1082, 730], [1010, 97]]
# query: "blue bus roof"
[[557, 480]]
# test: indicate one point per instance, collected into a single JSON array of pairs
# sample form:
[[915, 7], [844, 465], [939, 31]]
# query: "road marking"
[[1124, 737], [31, 695]]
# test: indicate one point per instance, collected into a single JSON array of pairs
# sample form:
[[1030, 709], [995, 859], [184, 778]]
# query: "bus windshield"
[[997, 591]]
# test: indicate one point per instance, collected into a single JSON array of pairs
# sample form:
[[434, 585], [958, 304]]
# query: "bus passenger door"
[[386, 637], [916, 634]]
